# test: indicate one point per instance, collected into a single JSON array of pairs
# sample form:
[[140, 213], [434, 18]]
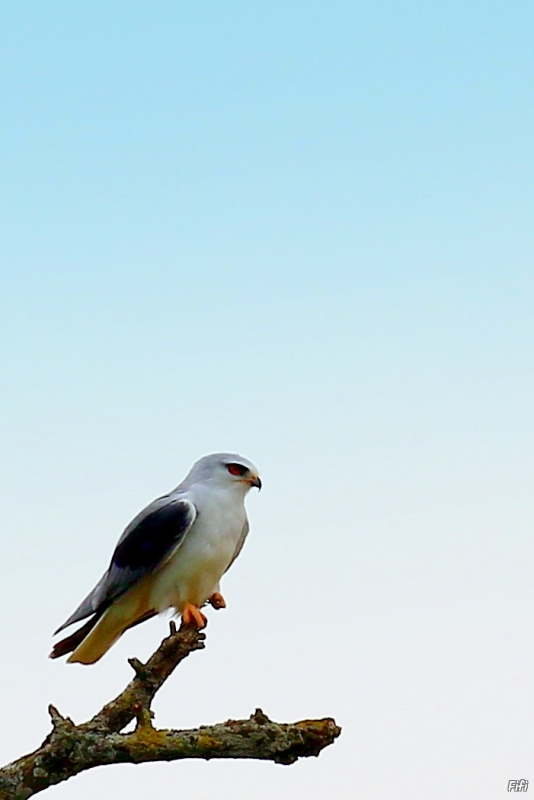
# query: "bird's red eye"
[[236, 469]]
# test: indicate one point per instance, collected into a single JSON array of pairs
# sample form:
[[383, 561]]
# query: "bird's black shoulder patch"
[[154, 537]]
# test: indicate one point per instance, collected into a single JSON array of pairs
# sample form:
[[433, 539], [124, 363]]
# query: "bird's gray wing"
[[240, 544], [148, 541]]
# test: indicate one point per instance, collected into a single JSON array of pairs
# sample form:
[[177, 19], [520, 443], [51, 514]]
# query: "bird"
[[172, 555]]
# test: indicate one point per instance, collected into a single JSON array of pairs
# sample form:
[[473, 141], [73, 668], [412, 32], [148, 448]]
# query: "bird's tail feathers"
[[108, 629], [100, 638], [71, 642]]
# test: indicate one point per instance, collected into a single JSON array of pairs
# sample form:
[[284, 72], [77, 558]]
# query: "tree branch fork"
[[70, 749]]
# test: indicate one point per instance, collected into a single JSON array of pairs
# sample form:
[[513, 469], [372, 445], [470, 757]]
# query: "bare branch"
[[148, 679], [70, 749]]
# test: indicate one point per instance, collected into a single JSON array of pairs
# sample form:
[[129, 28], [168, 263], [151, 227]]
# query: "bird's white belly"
[[192, 574]]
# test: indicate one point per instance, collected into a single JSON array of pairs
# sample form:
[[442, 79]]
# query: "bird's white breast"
[[192, 574]]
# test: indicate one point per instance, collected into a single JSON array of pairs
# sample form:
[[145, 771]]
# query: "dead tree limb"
[[70, 749]]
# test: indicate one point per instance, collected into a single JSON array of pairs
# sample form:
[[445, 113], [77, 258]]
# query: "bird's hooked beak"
[[255, 481]]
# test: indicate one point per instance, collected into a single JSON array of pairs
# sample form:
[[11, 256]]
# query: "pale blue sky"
[[302, 232]]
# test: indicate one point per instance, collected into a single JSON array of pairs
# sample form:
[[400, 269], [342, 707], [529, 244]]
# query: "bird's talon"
[[192, 615], [217, 601]]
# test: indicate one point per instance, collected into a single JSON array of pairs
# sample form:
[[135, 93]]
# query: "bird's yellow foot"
[[192, 615], [217, 600]]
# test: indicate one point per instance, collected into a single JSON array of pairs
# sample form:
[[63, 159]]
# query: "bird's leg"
[[217, 601], [192, 615]]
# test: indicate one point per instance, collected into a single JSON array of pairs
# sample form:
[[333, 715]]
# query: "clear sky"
[[300, 231]]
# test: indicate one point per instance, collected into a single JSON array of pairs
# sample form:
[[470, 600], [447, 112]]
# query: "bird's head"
[[226, 470]]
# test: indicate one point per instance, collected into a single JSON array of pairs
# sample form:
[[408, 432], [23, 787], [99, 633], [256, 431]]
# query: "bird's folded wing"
[[148, 541], [240, 543]]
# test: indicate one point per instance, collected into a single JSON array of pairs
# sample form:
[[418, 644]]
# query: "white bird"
[[172, 555]]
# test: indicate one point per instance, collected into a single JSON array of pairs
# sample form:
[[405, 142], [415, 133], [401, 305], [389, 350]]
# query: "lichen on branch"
[[70, 749]]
